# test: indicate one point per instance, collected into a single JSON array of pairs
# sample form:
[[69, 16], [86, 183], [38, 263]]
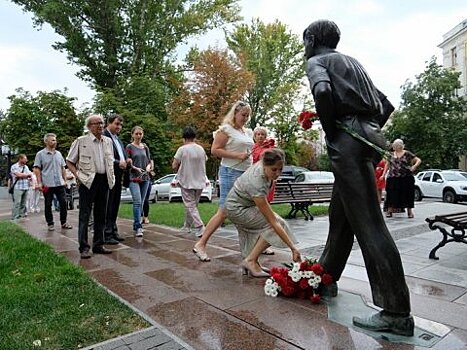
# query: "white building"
[[454, 48]]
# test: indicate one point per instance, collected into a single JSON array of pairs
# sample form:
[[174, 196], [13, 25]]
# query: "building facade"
[[454, 48]]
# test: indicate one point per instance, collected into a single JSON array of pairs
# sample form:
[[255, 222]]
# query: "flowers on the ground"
[[306, 119], [302, 280]]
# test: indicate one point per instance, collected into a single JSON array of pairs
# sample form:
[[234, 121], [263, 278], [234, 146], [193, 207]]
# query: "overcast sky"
[[391, 38]]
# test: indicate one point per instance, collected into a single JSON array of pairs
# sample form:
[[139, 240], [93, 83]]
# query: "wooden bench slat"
[[301, 195]]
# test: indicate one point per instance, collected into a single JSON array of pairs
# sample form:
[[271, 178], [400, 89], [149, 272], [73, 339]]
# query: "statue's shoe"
[[382, 322], [330, 290]]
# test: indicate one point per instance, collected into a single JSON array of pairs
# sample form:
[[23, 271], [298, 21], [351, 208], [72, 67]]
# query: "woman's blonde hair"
[[230, 116]]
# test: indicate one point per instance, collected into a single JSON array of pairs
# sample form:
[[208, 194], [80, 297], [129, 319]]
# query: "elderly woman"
[[400, 182], [233, 143], [262, 143], [248, 208]]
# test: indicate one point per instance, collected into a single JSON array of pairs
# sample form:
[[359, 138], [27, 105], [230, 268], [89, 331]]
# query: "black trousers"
[[113, 204], [59, 191], [355, 211], [94, 198]]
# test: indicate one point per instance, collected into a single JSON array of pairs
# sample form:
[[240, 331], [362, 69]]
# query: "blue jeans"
[[138, 193], [227, 177]]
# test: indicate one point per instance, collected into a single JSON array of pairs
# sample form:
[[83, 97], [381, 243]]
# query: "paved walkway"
[[212, 306]]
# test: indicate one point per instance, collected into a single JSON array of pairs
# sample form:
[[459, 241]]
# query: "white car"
[[126, 195], [167, 187], [315, 177], [451, 186]]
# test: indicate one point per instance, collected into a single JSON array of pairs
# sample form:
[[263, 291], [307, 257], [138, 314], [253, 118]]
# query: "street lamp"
[[8, 152]]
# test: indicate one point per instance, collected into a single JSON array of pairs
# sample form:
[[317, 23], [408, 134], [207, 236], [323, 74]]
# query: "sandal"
[[389, 215], [201, 255], [268, 251], [67, 226], [145, 221]]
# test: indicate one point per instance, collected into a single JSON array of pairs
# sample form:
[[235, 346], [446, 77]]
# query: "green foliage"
[[274, 55], [173, 214], [324, 164], [114, 39], [30, 117], [45, 297], [140, 100], [432, 120]]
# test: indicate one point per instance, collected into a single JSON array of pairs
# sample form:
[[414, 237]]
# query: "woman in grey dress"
[[248, 208]]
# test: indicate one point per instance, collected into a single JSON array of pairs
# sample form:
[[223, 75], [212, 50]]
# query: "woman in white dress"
[[248, 208]]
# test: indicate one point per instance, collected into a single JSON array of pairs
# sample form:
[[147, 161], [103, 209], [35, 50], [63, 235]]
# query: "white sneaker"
[[185, 229], [199, 231], [139, 232]]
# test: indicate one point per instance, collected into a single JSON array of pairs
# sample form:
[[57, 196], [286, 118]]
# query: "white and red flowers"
[[300, 280]]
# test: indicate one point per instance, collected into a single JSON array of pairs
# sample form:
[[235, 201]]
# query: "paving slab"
[[213, 306]]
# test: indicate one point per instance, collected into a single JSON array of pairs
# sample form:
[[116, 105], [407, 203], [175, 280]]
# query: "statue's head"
[[321, 33]]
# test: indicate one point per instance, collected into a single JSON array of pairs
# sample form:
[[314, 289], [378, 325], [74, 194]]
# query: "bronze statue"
[[346, 97]]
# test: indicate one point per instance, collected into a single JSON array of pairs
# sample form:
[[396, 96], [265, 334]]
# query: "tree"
[[274, 56], [432, 120], [217, 80], [140, 101], [115, 39], [30, 117]]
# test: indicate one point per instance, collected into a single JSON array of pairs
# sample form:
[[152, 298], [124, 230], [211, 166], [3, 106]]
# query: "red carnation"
[[304, 265], [317, 269], [303, 283], [326, 279], [315, 298], [304, 116], [307, 124]]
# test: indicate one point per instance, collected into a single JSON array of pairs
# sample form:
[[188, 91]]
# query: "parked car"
[[451, 186], [290, 172], [167, 187], [315, 177], [126, 195], [462, 172]]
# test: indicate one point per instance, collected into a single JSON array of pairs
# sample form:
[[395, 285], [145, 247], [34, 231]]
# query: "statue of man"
[[346, 97]]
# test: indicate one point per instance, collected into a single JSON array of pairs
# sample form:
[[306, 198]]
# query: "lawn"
[[43, 297], [173, 214]]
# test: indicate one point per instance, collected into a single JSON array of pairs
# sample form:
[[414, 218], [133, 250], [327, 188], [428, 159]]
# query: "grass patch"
[[173, 214], [45, 297]]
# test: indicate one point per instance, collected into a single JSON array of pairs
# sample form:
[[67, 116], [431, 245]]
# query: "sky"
[[393, 39]]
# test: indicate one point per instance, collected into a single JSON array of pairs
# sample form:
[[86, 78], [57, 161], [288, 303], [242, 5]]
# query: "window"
[[427, 176], [436, 177], [453, 56]]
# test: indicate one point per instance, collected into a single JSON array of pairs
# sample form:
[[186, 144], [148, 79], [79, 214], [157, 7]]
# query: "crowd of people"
[[99, 161], [250, 164]]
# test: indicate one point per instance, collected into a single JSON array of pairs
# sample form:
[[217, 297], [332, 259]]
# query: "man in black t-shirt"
[[344, 93]]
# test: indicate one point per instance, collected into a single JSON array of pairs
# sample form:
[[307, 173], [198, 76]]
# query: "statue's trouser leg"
[[354, 210]]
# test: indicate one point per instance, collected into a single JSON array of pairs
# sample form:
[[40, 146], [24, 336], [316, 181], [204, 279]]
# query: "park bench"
[[452, 225], [300, 196]]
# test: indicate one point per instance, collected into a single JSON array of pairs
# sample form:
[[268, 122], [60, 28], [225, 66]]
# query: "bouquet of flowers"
[[302, 280], [306, 119]]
